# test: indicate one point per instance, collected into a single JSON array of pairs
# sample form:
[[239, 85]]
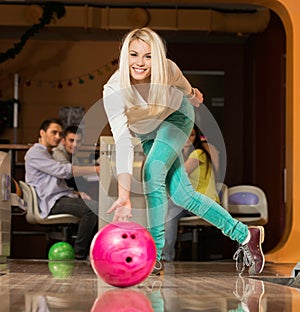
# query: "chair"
[[47, 301], [196, 223], [5, 202], [33, 215], [248, 204]]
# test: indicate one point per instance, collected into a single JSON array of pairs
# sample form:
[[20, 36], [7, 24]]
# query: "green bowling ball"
[[61, 251], [61, 269]]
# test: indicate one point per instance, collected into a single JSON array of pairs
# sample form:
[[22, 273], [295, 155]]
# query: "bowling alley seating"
[[59, 225], [47, 301], [5, 206], [248, 204], [190, 227]]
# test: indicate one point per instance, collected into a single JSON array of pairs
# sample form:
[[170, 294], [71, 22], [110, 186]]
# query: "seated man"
[[48, 176], [70, 141]]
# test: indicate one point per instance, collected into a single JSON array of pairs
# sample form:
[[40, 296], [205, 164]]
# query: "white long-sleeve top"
[[124, 120]]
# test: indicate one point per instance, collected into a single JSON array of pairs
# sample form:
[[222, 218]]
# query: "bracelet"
[[203, 139], [190, 97]]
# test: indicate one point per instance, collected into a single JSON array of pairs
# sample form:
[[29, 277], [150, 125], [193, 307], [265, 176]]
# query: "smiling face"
[[52, 136], [139, 62], [71, 142]]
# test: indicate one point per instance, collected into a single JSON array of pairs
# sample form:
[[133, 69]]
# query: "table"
[[12, 149]]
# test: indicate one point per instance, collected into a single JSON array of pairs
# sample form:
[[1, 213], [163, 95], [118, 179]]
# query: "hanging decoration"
[[68, 82], [48, 9], [71, 81]]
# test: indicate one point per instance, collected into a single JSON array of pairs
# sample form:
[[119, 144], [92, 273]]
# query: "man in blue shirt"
[[47, 176]]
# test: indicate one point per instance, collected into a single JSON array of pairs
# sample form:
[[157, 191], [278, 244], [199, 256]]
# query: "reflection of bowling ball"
[[122, 300], [123, 253], [61, 251], [61, 269]]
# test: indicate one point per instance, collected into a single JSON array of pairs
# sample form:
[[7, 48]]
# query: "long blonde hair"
[[159, 68]]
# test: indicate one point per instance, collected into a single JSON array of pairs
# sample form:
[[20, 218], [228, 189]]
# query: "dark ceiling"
[[227, 7], [116, 35]]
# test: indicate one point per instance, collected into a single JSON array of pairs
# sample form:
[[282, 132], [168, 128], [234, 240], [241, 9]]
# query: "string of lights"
[[71, 81]]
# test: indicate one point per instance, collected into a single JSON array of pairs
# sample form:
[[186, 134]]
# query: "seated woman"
[[199, 166]]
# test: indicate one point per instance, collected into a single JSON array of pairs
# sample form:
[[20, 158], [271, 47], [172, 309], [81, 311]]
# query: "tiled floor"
[[42, 286]]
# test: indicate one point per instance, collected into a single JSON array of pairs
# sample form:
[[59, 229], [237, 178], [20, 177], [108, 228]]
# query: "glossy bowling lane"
[[27, 285]]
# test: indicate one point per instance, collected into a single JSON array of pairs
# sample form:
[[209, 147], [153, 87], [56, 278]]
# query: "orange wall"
[[44, 61], [289, 12]]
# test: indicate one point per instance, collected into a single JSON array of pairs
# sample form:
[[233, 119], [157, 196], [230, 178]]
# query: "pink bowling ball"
[[123, 254], [122, 300]]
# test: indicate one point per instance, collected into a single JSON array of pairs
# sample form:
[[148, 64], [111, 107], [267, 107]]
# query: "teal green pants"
[[164, 174]]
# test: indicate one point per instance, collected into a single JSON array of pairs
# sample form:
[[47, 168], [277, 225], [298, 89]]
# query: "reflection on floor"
[[39, 285]]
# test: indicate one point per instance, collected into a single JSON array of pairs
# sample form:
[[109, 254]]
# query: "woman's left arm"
[[191, 164], [179, 80], [195, 97]]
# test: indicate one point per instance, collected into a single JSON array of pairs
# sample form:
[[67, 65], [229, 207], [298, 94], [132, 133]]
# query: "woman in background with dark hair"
[[199, 167]]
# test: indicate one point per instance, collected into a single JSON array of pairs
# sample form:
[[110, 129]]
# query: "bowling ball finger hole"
[[128, 259], [124, 236]]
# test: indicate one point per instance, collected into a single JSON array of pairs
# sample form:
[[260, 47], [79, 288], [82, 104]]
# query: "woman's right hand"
[[122, 209], [197, 98]]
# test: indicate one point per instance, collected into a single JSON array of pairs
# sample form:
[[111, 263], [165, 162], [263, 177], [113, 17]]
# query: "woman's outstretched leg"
[[249, 238], [164, 169]]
